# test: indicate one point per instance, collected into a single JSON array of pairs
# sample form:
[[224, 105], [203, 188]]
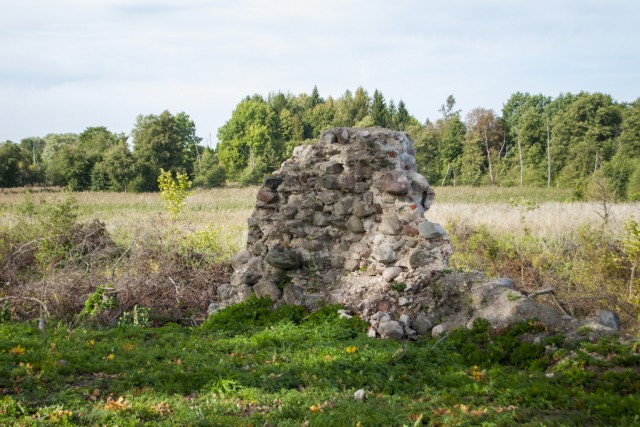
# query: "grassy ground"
[[304, 370], [253, 366]]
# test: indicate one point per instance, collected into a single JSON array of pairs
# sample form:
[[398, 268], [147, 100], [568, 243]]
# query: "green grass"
[[250, 365]]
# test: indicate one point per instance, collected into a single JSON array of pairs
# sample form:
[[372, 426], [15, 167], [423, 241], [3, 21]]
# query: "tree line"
[[536, 140]]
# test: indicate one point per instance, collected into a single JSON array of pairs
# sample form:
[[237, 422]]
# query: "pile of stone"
[[353, 201], [343, 221]]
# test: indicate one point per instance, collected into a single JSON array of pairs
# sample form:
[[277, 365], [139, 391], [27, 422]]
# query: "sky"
[[66, 65]]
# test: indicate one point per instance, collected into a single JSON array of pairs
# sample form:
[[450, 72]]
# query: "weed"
[[512, 297], [138, 317], [398, 286], [100, 300], [174, 191]]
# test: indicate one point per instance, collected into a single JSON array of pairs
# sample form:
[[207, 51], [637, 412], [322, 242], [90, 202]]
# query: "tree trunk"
[[521, 161], [445, 174], [486, 145], [633, 276], [548, 154]]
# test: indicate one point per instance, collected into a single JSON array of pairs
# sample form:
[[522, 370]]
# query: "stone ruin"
[[343, 221]]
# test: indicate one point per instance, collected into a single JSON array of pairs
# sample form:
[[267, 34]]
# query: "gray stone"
[[363, 210], [332, 182], [391, 329], [609, 318], [404, 301], [359, 250], [422, 324], [405, 321], [240, 258], [439, 329], [321, 219], [504, 282], [251, 277], [390, 225], [329, 138], [351, 265], [384, 253], [288, 211], [267, 288], [343, 207], [360, 395], [348, 182], [293, 295], [354, 224], [287, 259], [272, 182], [331, 168], [391, 273], [419, 258], [225, 291], [213, 307], [430, 230]]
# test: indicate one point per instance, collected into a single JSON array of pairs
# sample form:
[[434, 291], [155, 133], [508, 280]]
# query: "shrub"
[[174, 191]]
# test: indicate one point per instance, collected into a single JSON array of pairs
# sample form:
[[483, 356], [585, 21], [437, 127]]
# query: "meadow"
[[152, 357]]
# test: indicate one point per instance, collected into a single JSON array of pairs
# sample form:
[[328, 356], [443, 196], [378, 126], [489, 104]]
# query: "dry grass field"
[[551, 216]]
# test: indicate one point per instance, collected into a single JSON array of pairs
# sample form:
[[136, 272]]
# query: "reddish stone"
[[412, 207], [383, 305], [267, 196], [396, 183], [407, 230], [392, 154]]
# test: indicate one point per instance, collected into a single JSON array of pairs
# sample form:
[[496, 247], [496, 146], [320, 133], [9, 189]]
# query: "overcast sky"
[[66, 65]]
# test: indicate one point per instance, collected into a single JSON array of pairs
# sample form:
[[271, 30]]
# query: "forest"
[[536, 140]]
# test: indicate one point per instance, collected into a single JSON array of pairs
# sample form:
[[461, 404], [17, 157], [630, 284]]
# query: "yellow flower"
[[17, 350], [111, 356], [91, 343], [351, 349]]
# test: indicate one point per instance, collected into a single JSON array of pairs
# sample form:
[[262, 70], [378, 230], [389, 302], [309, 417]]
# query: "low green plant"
[[512, 297], [99, 301], [398, 286], [138, 317], [5, 313], [174, 191], [215, 243]]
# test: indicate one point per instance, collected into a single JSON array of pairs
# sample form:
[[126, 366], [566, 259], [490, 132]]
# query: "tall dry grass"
[[549, 219], [230, 207]]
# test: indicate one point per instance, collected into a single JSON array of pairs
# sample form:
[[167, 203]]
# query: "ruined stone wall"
[[352, 202], [343, 221]]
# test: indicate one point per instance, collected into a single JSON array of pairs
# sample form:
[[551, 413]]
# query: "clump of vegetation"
[[174, 191]]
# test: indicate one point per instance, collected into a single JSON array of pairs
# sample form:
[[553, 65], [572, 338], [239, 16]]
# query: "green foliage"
[[398, 286], [251, 314], [5, 313], [215, 243], [289, 374], [99, 300], [174, 191], [138, 317], [483, 347], [54, 226], [165, 142]]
